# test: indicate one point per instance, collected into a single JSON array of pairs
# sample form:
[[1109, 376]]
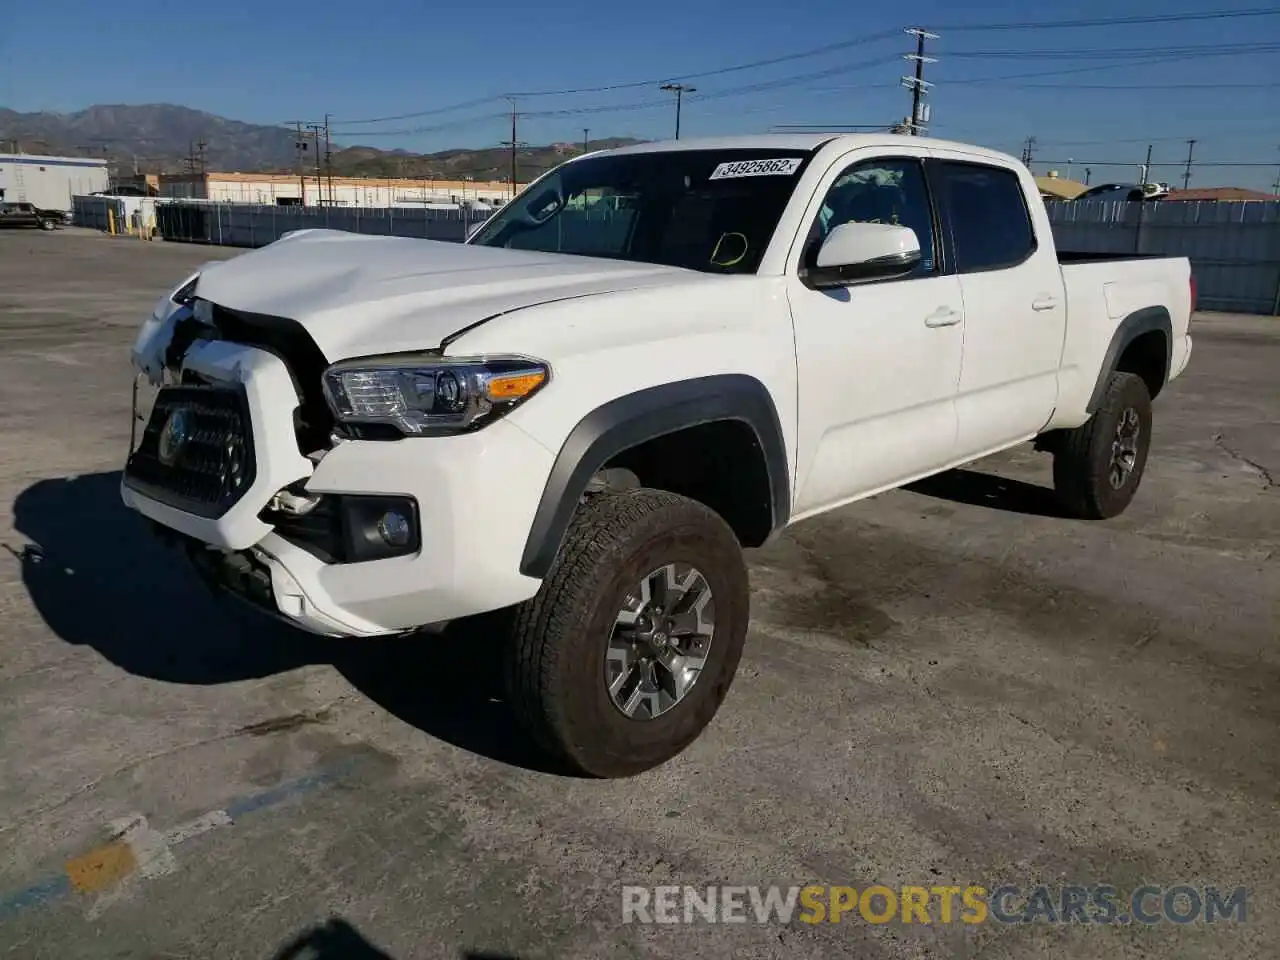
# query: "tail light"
[[1193, 293]]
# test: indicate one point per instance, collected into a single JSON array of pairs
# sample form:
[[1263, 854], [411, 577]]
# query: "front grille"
[[196, 452], [289, 341]]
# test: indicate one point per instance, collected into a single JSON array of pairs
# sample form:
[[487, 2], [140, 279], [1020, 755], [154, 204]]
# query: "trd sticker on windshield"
[[782, 167]]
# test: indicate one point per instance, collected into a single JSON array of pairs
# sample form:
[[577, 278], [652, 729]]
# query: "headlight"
[[422, 394]]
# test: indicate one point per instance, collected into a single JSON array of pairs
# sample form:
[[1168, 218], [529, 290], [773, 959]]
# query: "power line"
[[1142, 86], [1174, 163], [1117, 53], [1114, 21], [761, 87], [465, 104], [1092, 68], [703, 74], [635, 84]]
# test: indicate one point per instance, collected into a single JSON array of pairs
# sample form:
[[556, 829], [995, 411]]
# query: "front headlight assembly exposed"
[[421, 394]]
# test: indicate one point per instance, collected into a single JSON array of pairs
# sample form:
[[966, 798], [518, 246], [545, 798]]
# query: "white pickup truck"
[[653, 357]]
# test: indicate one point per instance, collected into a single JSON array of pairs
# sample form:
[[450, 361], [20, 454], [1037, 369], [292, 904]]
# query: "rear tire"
[[47, 225], [574, 655], [1098, 466]]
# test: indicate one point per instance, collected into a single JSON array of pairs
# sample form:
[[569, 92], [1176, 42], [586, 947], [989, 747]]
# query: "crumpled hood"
[[358, 295]]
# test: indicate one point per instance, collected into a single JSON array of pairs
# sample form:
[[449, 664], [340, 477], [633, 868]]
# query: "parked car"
[[583, 420], [22, 214], [1131, 192]]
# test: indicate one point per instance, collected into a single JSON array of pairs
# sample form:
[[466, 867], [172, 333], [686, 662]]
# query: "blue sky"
[[270, 62]]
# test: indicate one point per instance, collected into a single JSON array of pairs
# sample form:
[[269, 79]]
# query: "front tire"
[[47, 225], [625, 654], [1098, 466]]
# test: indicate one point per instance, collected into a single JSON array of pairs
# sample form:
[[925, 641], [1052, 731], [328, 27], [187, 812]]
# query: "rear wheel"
[[47, 225], [627, 651], [1097, 466]]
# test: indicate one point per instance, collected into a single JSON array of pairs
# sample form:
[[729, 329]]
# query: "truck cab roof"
[[803, 141]]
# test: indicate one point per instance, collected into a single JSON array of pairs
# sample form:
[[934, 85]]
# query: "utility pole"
[[314, 129], [514, 144], [299, 148], [585, 138], [200, 145], [916, 84], [1275, 184], [1146, 167], [1027, 150], [328, 158], [1087, 174], [679, 89], [1186, 174]]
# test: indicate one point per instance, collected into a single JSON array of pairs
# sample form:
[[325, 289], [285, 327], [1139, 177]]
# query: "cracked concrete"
[[946, 685]]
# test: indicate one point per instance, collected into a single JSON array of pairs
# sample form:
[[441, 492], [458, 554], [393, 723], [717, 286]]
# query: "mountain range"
[[167, 138]]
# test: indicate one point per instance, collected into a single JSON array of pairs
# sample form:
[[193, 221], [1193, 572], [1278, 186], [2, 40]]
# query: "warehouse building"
[[49, 182], [310, 191]]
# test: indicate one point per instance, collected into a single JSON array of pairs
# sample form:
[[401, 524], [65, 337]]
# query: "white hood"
[[359, 295]]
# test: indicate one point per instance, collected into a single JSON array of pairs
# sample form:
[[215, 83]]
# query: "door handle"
[[942, 317], [1044, 303]]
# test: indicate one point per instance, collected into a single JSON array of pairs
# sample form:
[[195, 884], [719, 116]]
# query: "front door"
[[878, 361]]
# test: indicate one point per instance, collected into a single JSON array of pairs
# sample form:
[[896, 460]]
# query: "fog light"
[[377, 527], [395, 529]]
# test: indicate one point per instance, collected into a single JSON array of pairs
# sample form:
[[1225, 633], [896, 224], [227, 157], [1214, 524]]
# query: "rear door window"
[[987, 214]]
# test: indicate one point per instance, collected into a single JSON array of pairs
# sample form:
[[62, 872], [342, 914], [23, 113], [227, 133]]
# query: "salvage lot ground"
[[946, 686]]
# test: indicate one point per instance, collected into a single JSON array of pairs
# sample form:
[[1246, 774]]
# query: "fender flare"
[[1130, 328], [636, 417]]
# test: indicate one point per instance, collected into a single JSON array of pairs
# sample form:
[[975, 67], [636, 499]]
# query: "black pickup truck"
[[29, 215]]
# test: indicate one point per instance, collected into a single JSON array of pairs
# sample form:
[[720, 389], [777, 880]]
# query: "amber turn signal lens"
[[514, 386]]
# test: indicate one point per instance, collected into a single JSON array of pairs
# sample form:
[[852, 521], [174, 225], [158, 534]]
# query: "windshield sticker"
[[782, 167]]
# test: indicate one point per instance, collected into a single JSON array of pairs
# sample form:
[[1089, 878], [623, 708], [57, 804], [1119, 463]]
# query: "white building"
[[286, 190], [49, 182]]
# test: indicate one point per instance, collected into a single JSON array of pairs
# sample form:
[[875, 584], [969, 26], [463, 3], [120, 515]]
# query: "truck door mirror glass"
[[544, 206], [865, 251]]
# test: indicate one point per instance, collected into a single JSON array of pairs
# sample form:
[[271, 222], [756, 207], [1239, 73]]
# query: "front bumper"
[[476, 496]]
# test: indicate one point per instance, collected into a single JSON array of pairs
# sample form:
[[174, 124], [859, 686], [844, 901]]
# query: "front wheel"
[[47, 225], [627, 651], [1097, 466]]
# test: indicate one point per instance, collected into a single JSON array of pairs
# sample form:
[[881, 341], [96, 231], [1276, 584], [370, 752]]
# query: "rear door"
[[1014, 303]]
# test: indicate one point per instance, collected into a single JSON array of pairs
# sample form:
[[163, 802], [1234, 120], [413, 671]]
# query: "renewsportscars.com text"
[[972, 904]]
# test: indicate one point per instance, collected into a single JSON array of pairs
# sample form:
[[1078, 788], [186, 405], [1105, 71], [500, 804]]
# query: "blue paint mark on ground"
[[41, 893], [269, 798], [55, 888]]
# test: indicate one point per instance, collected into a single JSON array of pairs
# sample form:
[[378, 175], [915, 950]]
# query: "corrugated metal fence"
[[244, 225], [1234, 248], [121, 215]]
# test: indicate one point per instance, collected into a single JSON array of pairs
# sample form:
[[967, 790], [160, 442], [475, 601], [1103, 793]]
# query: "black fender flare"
[[1130, 328], [636, 417]]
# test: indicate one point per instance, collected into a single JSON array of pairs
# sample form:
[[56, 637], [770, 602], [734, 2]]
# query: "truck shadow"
[[100, 578], [339, 940], [988, 490]]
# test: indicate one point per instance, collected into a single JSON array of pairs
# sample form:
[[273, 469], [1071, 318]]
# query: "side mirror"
[[865, 251]]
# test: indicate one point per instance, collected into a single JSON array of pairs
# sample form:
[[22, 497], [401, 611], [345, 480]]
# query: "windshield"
[[709, 210]]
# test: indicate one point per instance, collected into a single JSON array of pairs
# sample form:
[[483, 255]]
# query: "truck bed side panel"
[[1100, 297]]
